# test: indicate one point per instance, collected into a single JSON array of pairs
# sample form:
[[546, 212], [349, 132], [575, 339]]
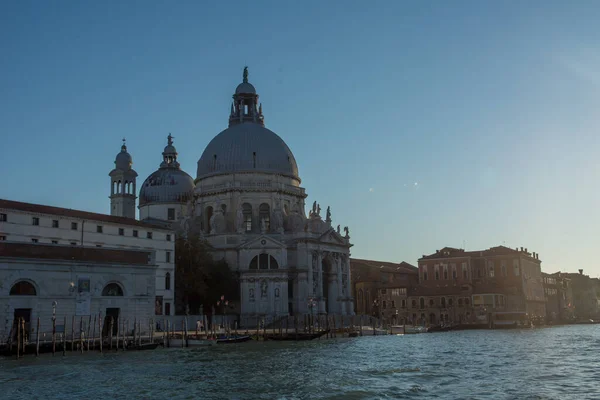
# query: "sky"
[[422, 124]]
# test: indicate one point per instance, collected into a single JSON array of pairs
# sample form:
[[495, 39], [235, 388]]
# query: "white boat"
[[397, 330], [414, 329], [369, 331]]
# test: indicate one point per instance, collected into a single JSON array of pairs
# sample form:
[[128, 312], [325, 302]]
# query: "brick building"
[[559, 297], [466, 286], [379, 287]]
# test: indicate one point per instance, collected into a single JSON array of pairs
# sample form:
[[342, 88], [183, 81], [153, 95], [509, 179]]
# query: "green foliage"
[[199, 279]]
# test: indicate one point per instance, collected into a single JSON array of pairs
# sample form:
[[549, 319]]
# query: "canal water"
[[547, 363]]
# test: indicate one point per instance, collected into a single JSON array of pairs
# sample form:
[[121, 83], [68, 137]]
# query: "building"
[[65, 228], [380, 288], [62, 281], [466, 286], [586, 295], [248, 204], [559, 297]]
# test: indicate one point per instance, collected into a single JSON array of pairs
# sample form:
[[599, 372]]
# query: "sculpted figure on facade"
[[239, 219], [328, 215], [277, 221], [263, 225], [338, 230], [263, 289], [347, 232], [314, 208], [213, 228]]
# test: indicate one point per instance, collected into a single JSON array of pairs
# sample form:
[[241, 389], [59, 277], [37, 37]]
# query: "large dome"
[[247, 147], [167, 186]]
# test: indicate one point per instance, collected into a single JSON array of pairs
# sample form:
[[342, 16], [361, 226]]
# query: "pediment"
[[331, 236], [262, 242]]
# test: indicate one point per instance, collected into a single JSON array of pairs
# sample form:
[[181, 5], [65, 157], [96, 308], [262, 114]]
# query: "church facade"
[[248, 204]]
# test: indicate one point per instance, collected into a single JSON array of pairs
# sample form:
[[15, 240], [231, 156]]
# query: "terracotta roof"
[[451, 252], [67, 212], [402, 267], [75, 253]]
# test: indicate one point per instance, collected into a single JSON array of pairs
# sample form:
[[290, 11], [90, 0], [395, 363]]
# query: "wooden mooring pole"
[[18, 337], [37, 338], [53, 335]]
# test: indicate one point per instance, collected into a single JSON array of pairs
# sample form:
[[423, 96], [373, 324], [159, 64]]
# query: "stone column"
[[319, 294], [340, 296]]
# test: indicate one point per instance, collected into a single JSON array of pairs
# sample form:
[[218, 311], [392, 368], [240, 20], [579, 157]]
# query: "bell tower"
[[245, 106], [122, 185]]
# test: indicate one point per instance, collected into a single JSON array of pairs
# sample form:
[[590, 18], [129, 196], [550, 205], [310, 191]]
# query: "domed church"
[[247, 203]]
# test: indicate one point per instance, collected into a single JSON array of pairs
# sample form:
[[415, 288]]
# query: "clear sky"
[[422, 124]]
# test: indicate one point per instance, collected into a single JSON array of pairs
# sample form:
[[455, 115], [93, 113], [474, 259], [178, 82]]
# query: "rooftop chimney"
[[521, 248], [580, 272]]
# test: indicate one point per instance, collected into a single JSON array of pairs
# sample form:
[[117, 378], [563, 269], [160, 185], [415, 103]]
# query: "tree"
[[199, 279]]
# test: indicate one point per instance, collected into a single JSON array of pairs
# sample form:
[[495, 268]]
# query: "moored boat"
[[233, 339], [414, 329]]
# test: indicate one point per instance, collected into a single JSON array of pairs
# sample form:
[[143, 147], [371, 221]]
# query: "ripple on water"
[[553, 363]]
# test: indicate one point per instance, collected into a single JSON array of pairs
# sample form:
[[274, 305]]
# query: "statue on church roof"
[[338, 229], [246, 74], [314, 208], [328, 215]]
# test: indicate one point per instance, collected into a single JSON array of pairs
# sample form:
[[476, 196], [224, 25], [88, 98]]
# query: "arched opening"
[[114, 187], [23, 288], [421, 303], [254, 263], [119, 189], [432, 318], [443, 302], [264, 214], [168, 281], [208, 212], [273, 263], [247, 212], [126, 189], [414, 304], [112, 289], [450, 302], [431, 303], [263, 261]]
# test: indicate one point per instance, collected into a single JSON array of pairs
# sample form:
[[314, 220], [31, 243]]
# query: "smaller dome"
[[245, 88], [167, 185], [123, 161]]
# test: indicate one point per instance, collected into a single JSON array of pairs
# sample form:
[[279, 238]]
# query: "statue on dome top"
[[170, 139], [246, 74]]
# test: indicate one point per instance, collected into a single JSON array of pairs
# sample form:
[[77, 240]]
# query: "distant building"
[[466, 286], [559, 297], [380, 288], [586, 295]]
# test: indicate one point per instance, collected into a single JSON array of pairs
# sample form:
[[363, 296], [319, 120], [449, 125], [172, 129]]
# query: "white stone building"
[[248, 204], [55, 226], [86, 283]]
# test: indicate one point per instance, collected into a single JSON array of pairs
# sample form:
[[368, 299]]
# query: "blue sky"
[[422, 124]]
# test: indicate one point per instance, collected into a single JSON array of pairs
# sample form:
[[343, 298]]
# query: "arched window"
[[254, 263], [112, 289], [431, 302], [264, 213], [414, 304], [460, 301], [208, 212], [23, 288], [273, 263], [450, 302], [168, 281], [263, 261], [126, 188], [443, 302], [119, 188], [422, 302], [114, 187], [247, 211]]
